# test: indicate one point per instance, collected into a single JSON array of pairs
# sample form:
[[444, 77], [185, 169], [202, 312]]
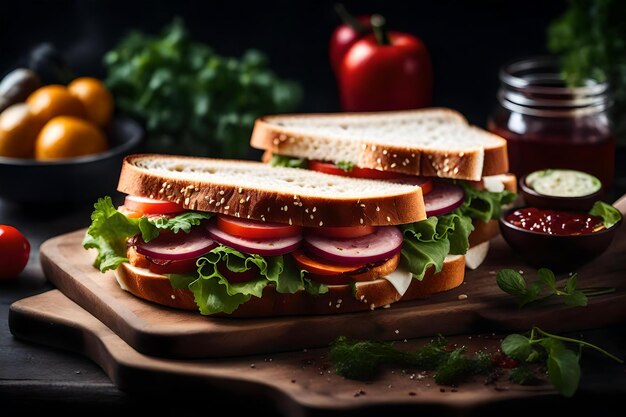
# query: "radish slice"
[[443, 199], [382, 244], [263, 247], [177, 246]]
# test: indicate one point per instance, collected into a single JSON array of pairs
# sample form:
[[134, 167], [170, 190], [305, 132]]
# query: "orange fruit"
[[54, 100], [96, 98], [67, 137], [18, 131]]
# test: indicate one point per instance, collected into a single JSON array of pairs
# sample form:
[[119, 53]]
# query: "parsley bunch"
[[191, 99]]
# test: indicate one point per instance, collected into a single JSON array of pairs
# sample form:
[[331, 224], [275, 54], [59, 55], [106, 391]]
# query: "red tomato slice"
[[356, 172], [250, 229], [349, 232], [151, 206], [237, 277], [319, 266], [172, 267]]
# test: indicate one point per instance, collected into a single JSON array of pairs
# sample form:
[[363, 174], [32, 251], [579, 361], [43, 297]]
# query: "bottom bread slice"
[[361, 296]]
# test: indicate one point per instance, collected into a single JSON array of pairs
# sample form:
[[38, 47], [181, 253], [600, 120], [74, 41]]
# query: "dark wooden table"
[[35, 378]]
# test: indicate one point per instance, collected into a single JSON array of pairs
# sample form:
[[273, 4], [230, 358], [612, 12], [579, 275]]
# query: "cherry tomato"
[[356, 172], [14, 252], [151, 206], [250, 229], [237, 277], [348, 232], [172, 267], [318, 266]]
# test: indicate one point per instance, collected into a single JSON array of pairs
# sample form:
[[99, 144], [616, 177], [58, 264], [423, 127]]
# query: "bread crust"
[[269, 205], [361, 296], [467, 164]]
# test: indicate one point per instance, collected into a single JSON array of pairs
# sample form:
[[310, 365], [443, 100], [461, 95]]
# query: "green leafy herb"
[[110, 229], [359, 359], [522, 375], [288, 161], [544, 287], [213, 293], [589, 40], [427, 242], [345, 165], [563, 363], [191, 99], [609, 214], [483, 204]]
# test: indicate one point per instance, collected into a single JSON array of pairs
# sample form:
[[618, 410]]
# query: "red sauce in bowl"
[[552, 222]]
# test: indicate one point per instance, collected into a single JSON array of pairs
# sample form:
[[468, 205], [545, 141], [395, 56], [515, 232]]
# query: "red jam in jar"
[[549, 125], [552, 222]]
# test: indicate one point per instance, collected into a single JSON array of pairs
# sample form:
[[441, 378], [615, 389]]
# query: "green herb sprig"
[[361, 359], [562, 363], [545, 286]]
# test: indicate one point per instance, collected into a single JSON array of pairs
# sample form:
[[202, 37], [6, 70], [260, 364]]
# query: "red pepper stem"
[[379, 26], [350, 20]]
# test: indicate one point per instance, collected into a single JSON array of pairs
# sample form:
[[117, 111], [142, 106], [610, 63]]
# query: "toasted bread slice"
[[428, 142], [257, 191]]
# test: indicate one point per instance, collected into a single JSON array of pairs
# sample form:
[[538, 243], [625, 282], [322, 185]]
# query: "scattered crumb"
[[252, 365], [462, 297], [359, 393], [397, 331]]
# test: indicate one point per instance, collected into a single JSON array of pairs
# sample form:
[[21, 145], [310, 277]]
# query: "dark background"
[[468, 40]]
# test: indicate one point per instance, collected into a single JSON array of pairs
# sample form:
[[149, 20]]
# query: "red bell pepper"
[[346, 35], [386, 71]]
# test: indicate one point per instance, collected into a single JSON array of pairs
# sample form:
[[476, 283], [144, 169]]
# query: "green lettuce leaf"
[[428, 242], [110, 229], [213, 293], [609, 214], [288, 161], [482, 204]]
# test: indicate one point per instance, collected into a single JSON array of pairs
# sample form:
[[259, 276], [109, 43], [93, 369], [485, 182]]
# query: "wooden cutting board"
[[155, 330], [299, 383]]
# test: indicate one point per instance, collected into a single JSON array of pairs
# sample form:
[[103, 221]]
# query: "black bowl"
[[559, 253], [72, 180], [534, 199]]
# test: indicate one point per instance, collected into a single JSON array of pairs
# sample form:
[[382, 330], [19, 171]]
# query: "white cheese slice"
[[476, 255], [400, 279], [494, 183]]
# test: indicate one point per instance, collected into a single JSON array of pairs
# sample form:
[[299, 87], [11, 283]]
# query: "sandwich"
[[244, 239], [435, 148]]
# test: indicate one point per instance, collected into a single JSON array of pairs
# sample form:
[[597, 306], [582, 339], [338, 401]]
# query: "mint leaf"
[[564, 370], [511, 282], [609, 214], [533, 292], [575, 299], [517, 347], [570, 284], [547, 278]]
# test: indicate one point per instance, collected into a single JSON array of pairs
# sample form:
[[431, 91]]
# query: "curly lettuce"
[[428, 242], [213, 293], [483, 204], [110, 229]]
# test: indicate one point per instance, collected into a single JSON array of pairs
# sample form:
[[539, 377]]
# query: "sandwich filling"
[[225, 261]]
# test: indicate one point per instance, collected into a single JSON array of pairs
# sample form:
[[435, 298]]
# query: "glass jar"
[[549, 125]]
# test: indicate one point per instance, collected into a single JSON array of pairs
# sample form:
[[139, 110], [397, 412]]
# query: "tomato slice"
[[348, 232], [151, 206], [250, 229], [319, 266], [172, 267], [356, 172], [237, 277]]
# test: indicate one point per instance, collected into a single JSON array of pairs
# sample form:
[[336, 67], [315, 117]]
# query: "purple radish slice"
[[177, 246], [384, 243], [443, 199]]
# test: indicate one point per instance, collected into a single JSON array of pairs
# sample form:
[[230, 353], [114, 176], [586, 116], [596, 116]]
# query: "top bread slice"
[[258, 191], [429, 142]]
